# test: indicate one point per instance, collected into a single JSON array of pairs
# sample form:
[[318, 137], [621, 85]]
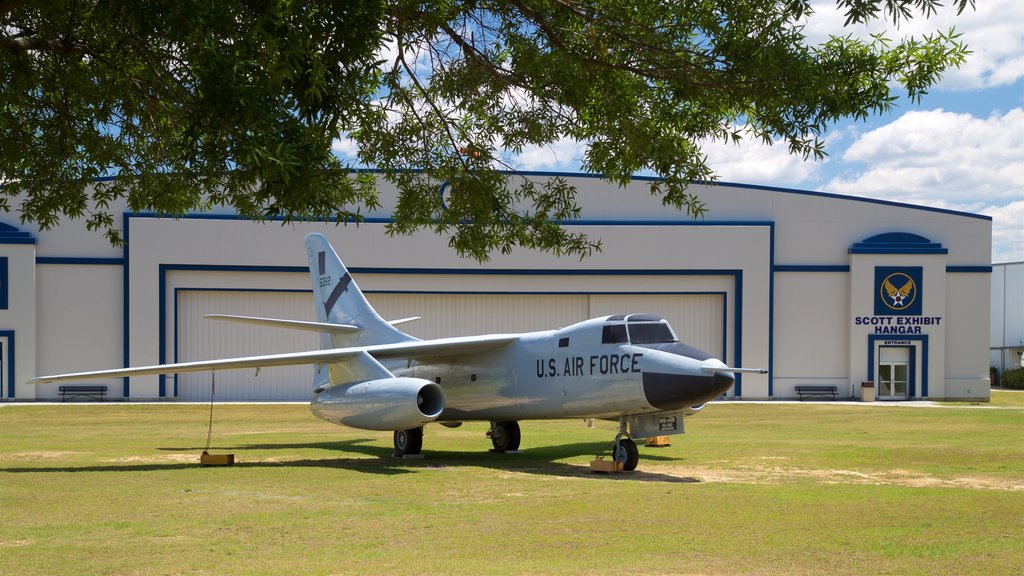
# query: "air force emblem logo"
[[901, 297], [899, 290]]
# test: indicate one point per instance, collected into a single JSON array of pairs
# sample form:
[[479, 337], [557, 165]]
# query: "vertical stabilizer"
[[339, 300]]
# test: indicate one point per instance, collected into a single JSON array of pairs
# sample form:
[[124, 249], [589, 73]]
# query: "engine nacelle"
[[384, 404]]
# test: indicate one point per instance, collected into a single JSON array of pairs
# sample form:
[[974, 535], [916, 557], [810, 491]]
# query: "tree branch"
[[37, 44]]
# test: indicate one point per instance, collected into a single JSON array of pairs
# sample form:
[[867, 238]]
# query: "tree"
[[195, 103]]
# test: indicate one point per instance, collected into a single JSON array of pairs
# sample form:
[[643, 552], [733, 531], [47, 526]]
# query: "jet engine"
[[383, 404]]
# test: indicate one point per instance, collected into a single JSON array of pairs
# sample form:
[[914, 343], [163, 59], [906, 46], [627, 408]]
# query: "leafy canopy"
[[193, 103]]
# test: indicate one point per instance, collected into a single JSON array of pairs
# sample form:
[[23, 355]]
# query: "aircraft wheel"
[[408, 441], [627, 453], [505, 436]]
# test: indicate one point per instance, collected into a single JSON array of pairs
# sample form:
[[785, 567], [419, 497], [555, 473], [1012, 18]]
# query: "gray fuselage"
[[571, 372]]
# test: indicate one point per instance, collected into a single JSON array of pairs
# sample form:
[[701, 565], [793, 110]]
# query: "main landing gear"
[[408, 442], [504, 436]]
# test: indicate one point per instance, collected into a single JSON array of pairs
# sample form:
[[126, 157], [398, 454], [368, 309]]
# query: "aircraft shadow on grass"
[[542, 460]]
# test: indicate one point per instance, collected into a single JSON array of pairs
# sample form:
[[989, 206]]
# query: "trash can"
[[867, 391]]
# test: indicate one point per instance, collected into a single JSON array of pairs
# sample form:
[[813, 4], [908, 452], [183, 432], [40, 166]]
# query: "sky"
[[960, 148]]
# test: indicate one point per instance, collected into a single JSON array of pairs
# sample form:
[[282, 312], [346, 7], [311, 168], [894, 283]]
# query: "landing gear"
[[504, 436], [408, 442], [626, 452], [624, 449]]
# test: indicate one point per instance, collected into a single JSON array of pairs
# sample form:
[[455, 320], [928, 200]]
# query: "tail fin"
[[339, 300]]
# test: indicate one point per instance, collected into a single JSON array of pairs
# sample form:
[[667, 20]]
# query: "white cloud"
[[1007, 232], [946, 160], [754, 162], [346, 149], [992, 31], [933, 156], [565, 155]]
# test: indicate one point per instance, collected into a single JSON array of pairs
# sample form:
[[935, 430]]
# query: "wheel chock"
[[599, 464], [207, 459], [658, 441]]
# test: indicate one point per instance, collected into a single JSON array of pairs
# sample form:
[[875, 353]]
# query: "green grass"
[[1008, 398], [750, 489]]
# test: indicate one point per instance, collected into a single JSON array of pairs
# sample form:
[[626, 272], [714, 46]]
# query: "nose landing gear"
[[624, 448], [625, 451]]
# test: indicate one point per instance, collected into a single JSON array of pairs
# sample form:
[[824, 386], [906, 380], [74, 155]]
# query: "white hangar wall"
[[460, 297], [781, 279], [1006, 337]]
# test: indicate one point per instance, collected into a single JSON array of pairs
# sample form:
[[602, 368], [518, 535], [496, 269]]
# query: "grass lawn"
[[750, 489], [1008, 398]]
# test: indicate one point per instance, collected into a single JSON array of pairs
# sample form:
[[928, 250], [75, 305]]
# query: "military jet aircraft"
[[371, 375]]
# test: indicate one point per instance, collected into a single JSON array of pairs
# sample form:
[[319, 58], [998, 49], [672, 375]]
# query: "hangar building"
[[816, 288], [1007, 338]]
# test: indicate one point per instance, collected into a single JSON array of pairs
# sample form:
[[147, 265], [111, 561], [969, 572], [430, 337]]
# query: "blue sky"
[[960, 148]]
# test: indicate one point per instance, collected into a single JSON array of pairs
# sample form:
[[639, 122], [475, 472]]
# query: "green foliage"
[[198, 103], [1013, 379]]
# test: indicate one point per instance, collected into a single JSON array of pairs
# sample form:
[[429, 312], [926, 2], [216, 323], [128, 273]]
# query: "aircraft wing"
[[442, 347], [419, 349]]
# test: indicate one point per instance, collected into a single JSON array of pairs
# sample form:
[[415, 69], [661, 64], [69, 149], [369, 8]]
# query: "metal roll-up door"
[[199, 338]]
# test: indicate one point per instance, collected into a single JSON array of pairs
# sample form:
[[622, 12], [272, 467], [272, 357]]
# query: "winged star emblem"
[[898, 295]]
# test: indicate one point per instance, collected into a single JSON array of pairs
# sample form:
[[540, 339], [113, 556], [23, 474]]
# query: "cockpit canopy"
[[637, 329]]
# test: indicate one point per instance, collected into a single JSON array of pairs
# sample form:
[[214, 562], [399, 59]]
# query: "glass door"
[[894, 372], [892, 380]]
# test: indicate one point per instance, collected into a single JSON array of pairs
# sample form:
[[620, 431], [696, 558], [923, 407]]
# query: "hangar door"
[[697, 318]]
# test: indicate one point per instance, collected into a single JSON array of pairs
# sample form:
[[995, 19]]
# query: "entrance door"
[[893, 373]]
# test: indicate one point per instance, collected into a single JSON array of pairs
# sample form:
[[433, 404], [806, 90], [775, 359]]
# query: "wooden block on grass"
[[608, 466], [207, 459]]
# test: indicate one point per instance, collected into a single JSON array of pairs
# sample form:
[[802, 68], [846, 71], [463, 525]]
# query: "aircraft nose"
[[724, 381], [684, 387]]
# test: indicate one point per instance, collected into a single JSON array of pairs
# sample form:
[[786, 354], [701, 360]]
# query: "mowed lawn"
[[750, 489]]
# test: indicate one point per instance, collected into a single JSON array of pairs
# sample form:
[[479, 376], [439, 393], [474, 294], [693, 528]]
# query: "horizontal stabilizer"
[[293, 324], [404, 320]]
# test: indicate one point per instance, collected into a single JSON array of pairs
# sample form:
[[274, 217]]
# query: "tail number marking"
[[339, 289]]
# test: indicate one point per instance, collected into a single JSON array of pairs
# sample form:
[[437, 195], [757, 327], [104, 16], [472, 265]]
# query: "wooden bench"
[[89, 391], [818, 390]]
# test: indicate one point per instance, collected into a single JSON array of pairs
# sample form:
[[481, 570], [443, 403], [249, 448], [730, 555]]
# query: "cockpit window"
[[637, 329], [614, 334], [650, 333]]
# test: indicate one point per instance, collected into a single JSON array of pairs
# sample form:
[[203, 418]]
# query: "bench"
[[89, 391], [819, 390]]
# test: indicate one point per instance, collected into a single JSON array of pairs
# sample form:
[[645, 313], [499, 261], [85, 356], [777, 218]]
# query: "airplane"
[[370, 375]]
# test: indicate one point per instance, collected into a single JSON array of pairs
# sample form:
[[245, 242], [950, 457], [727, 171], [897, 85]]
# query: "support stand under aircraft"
[[371, 375]]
